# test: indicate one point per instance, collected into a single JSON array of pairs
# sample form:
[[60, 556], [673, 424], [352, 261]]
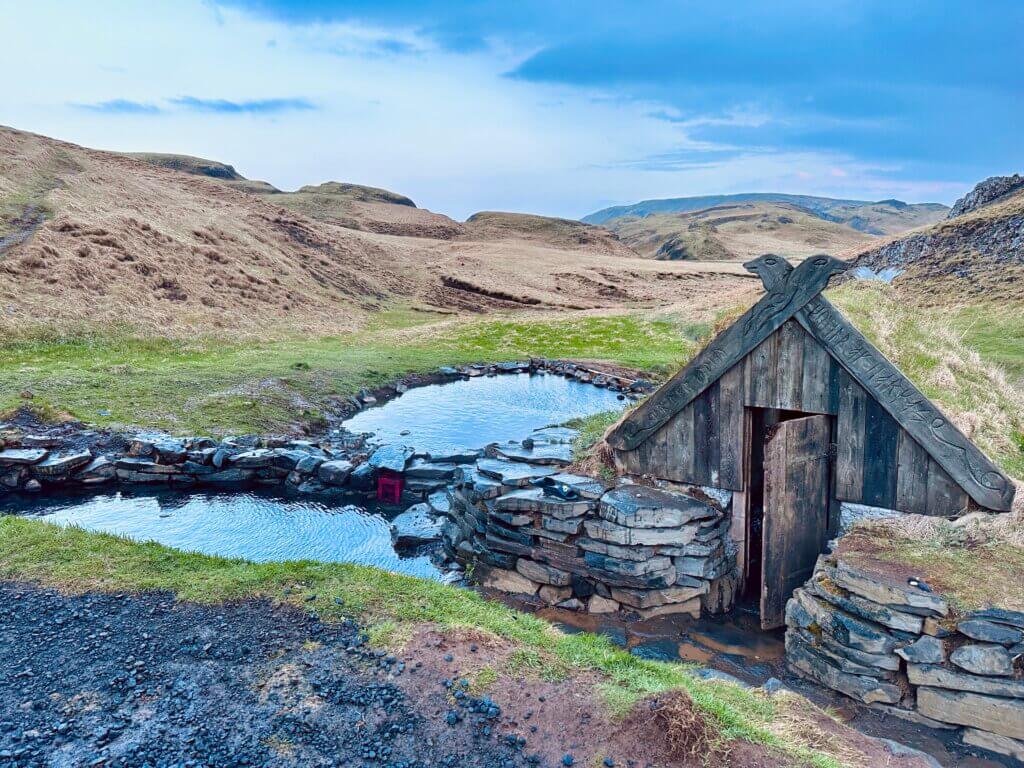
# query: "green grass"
[[216, 386], [76, 560], [958, 359], [591, 429]]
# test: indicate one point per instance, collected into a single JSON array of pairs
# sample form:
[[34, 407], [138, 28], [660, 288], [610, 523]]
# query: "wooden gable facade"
[[794, 354]]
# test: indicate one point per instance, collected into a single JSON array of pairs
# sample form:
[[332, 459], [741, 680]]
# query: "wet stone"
[[390, 457], [544, 574], [417, 525], [511, 473], [944, 677], [336, 472], [56, 466], [12, 456]]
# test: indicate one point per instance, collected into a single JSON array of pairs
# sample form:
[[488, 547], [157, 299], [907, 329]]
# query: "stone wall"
[[630, 548], [902, 648]]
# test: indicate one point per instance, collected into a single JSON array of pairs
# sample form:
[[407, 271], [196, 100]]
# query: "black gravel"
[[140, 680]]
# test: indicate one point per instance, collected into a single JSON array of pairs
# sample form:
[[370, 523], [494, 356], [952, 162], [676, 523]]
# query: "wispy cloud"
[[250, 107], [121, 107]]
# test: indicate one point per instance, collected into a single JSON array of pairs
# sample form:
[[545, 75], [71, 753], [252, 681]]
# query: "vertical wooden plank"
[[738, 533], [945, 497], [850, 440], [757, 373], [881, 435], [796, 506], [789, 371], [911, 476], [731, 429], [817, 377], [673, 450], [701, 455], [834, 371], [713, 434]]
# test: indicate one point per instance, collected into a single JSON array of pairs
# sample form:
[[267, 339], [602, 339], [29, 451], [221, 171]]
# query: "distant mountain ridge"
[[882, 217]]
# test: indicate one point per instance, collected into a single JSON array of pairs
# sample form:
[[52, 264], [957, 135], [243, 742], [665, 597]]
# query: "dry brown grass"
[[149, 250], [688, 735]]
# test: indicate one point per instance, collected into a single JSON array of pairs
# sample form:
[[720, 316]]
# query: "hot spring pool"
[[443, 418], [251, 525]]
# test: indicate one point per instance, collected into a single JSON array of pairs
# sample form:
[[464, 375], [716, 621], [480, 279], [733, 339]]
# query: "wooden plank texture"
[[911, 476], [881, 436], [947, 445], [728, 348], [731, 422], [796, 508], [850, 440]]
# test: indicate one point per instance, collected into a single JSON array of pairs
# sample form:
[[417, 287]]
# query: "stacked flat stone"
[[901, 648], [632, 548]]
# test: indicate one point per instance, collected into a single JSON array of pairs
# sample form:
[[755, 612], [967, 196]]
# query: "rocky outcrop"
[[988, 191], [901, 647]]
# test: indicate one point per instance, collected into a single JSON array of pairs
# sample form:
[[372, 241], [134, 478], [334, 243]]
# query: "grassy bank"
[[75, 560], [963, 359], [214, 386]]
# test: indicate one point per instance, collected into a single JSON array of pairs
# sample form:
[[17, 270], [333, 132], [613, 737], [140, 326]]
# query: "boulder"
[[509, 581], [361, 478], [989, 632], [1004, 717], [543, 574], [638, 506], [943, 677], [417, 525], [308, 465], [983, 659], [925, 650]]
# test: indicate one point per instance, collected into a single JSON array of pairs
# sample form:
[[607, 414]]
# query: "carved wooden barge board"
[[777, 306], [883, 381], [789, 296]]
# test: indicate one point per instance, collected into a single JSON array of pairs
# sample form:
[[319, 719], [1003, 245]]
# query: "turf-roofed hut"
[[804, 421]]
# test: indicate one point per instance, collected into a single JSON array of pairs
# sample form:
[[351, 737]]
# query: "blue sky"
[[555, 108]]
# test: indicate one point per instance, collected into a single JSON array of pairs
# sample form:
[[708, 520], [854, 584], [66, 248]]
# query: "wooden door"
[[797, 474]]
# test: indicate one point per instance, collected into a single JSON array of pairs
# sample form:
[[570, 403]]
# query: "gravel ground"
[[140, 680]]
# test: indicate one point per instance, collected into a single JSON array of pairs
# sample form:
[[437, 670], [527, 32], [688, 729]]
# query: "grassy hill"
[[976, 256], [883, 217], [737, 232]]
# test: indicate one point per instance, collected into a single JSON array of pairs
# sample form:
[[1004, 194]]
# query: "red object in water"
[[389, 486]]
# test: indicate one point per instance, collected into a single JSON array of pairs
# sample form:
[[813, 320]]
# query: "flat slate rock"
[[983, 659], [987, 713], [512, 473], [391, 457], [421, 469], [587, 487], [535, 500], [944, 677], [550, 454], [639, 506], [56, 466], [990, 632], [417, 525], [12, 456]]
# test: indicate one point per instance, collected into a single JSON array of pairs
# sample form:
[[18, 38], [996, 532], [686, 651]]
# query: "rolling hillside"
[[885, 217], [977, 253], [735, 232], [95, 241]]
